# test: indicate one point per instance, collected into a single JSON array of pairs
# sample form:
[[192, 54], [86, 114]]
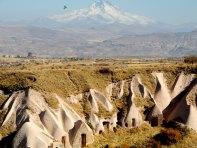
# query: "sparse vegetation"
[[170, 78], [174, 135], [143, 102], [74, 77], [104, 113], [2, 115], [7, 129], [51, 100], [149, 81], [136, 137], [105, 70], [14, 81], [2, 99], [168, 136], [190, 59]]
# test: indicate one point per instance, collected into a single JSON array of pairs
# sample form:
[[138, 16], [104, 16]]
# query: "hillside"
[[71, 42], [84, 103]]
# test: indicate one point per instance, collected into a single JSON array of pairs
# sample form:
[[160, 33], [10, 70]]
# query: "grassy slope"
[[76, 77], [137, 137], [66, 78]]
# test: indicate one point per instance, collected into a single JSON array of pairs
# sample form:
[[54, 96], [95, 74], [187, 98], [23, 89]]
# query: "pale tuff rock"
[[162, 95], [121, 90], [98, 123], [75, 99], [138, 88], [181, 109], [101, 99], [109, 90], [134, 117], [30, 135], [93, 102], [50, 122], [192, 119], [154, 112], [182, 82], [1, 92], [113, 121], [75, 134], [13, 104], [68, 110], [39, 126]]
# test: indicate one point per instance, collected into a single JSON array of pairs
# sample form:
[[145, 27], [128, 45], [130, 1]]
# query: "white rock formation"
[[162, 95], [182, 82], [99, 97], [39, 126]]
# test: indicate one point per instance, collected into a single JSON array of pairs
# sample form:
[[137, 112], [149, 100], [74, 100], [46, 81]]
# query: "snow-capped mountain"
[[103, 12]]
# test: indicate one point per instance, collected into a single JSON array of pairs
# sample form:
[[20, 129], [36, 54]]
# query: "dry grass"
[[51, 100], [170, 78], [189, 140], [137, 137], [175, 135], [3, 114], [190, 59], [2, 99], [104, 113], [74, 77], [7, 129], [143, 102], [149, 81]]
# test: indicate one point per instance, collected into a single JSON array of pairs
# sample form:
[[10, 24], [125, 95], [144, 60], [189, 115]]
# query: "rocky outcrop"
[[181, 108], [162, 96], [38, 125]]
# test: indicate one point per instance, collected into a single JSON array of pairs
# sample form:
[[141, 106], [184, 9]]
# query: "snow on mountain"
[[103, 12]]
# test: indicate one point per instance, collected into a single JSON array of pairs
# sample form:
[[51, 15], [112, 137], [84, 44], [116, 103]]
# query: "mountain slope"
[[90, 42]]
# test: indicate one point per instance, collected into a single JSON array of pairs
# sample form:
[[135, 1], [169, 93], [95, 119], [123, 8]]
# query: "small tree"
[[30, 55]]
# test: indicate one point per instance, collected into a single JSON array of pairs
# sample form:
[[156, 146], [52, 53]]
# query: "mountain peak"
[[103, 11], [102, 8], [101, 3]]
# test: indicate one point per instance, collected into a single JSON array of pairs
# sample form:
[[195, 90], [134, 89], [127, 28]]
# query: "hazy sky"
[[167, 11]]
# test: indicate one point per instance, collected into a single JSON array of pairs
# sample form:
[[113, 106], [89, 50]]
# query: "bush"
[[168, 136], [105, 70], [154, 144], [190, 59]]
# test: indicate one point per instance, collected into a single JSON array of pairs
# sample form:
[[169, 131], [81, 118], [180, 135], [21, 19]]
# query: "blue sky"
[[167, 11]]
